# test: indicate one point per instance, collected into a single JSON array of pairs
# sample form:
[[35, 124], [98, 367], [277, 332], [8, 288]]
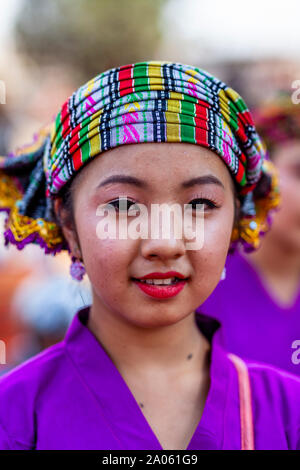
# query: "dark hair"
[[236, 196], [66, 195]]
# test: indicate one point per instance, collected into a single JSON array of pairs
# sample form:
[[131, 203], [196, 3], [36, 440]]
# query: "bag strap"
[[246, 415]]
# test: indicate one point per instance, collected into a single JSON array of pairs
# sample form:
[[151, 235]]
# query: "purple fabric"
[[71, 396], [254, 326]]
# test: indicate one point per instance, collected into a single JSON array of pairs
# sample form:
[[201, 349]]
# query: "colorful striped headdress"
[[143, 102]]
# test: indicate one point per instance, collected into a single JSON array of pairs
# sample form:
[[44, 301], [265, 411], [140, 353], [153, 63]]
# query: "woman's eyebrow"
[[205, 179], [126, 179]]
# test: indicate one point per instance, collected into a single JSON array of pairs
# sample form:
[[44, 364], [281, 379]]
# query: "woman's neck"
[[279, 266], [176, 348]]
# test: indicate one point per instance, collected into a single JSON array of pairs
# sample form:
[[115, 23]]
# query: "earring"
[[77, 269], [223, 275]]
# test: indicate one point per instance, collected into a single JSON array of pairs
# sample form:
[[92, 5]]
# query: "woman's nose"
[[165, 241], [163, 248]]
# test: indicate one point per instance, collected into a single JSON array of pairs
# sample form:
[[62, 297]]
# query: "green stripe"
[[85, 122], [82, 132], [233, 123], [188, 108], [58, 130], [64, 173], [58, 122], [145, 127], [187, 133], [141, 71], [189, 98], [85, 151], [187, 123], [58, 138], [102, 87], [219, 139], [142, 81], [241, 105], [117, 127], [232, 116], [243, 180], [188, 120]]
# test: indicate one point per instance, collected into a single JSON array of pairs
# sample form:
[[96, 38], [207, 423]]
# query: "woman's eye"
[[206, 202], [124, 205]]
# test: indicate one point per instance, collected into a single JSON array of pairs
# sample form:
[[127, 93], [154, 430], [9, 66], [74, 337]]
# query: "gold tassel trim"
[[250, 229]]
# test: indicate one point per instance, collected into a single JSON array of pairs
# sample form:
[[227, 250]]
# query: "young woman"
[[139, 368], [268, 327]]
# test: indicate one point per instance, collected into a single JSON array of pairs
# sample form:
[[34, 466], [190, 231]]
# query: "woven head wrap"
[[143, 102]]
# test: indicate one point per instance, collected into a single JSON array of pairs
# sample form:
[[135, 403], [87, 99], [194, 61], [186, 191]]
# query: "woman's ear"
[[67, 227]]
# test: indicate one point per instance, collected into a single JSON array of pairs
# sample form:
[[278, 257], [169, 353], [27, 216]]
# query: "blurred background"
[[48, 49]]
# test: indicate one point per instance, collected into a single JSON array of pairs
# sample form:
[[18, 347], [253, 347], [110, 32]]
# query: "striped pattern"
[[154, 102]]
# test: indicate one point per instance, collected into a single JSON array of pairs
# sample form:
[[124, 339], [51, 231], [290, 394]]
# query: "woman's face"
[[163, 171], [286, 222]]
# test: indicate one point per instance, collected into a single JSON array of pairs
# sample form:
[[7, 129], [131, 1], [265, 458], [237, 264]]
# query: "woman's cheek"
[[210, 259], [106, 258], [111, 257], [218, 230]]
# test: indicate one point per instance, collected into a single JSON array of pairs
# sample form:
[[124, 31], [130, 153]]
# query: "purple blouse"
[[72, 396], [254, 326]]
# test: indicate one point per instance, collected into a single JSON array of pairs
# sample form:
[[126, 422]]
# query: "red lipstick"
[[163, 275], [163, 291]]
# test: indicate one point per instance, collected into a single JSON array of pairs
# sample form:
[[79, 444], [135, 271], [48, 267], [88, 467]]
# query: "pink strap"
[[246, 416]]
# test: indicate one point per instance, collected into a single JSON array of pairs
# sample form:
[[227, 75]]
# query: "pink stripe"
[[128, 137], [56, 181], [226, 156], [192, 89], [89, 105], [131, 135], [246, 415]]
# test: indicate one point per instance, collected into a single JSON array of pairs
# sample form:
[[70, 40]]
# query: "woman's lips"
[[161, 292]]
